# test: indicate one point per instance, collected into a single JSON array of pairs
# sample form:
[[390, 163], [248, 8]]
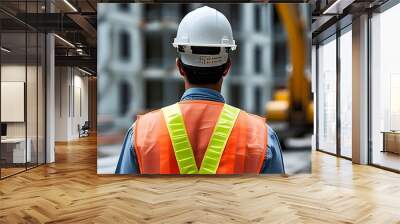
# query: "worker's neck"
[[211, 86], [216, 86]]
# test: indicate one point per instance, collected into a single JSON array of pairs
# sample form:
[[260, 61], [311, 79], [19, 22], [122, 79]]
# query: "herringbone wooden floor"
[[70, 191]]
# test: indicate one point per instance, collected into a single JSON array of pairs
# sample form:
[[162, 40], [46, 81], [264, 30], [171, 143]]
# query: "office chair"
[[84, 130]]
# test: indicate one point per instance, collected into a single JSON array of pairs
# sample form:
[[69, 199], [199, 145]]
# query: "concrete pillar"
[[247, 51], [360, 90], [50, 92], [267, 66]]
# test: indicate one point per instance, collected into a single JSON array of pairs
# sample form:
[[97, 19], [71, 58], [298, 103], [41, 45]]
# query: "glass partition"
[[23, 90], [14, 153]]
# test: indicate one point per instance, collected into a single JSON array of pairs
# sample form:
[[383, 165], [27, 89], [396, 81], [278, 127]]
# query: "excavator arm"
[[293, 105]]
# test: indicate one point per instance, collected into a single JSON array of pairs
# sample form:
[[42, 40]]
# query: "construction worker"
[[201, 134]]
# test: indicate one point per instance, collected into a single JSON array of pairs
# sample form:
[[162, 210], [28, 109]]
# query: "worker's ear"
[[228, 66], [180, 67]]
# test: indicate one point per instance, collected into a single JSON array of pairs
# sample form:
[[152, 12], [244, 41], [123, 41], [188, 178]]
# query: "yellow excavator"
[[294, 105]]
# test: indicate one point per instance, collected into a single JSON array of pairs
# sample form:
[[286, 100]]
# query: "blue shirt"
[[273, 160]]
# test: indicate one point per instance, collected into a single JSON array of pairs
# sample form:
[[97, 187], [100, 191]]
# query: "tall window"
[[327, 96], [125, 46], [258, 58], [346, 93], [385, 88]]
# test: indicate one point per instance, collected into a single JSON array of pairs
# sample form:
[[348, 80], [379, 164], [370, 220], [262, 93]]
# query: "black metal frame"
[[0, 89], [369, 104], [316, 97], [338, 98], [36, 164], [26, 92]]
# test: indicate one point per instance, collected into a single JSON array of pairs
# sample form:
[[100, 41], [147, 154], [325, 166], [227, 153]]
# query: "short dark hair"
[[204, 75]]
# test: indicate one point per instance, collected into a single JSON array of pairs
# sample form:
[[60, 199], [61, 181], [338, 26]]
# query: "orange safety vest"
[[243, 153]]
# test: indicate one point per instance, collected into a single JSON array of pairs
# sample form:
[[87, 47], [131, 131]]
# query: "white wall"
[[61, 103], [12, 99], [10, 73], [80, 103], [71, 102], [16, 73]]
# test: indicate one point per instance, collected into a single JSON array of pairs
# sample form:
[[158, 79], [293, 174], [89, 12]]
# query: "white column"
[[50, 99], [314, 92], [360, 90]]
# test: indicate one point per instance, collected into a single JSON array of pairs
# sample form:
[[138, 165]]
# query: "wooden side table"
[[391, 141]]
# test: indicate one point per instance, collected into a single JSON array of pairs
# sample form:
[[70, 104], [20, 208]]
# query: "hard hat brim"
[[204, 60], [176, 44]]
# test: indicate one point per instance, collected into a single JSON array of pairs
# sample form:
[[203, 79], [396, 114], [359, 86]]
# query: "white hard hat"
[[199, 30]]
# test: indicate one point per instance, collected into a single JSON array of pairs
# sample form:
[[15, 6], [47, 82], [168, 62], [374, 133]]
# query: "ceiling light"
[[70, 5], [337, 7], [65, 41], [5, 50], [79, 51], [84, 71]]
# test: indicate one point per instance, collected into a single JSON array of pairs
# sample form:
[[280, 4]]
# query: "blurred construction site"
[[270, 73]]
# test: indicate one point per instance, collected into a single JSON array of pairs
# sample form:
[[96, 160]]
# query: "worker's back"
[[243, 151], [201, 134]]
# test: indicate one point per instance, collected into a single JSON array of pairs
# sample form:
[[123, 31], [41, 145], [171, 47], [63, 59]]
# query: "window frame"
[[333, 33], [378, 10]]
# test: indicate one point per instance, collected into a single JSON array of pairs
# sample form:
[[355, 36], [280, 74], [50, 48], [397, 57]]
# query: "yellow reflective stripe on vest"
[[180, 140], [181, 144], [218, 140]]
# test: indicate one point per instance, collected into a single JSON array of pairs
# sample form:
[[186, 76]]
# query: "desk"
[[15, 148], [391, 141]]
